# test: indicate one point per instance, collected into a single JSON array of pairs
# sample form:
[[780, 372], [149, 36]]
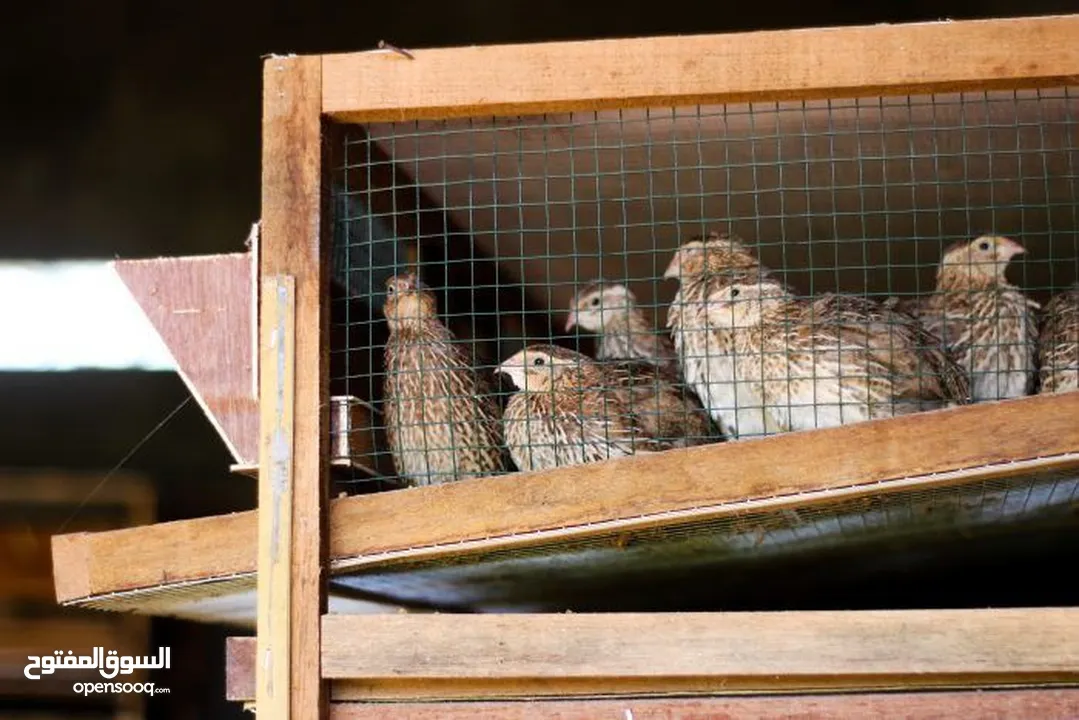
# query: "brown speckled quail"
[[833, 360], [706, 352], [610, 311], [570, 409], [1059, 347], [441, 416], [987, 324]]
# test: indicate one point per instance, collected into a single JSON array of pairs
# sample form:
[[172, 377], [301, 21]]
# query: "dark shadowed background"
[[132, 129]]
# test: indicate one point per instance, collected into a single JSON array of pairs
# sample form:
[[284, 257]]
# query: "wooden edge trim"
[[384, 85], [970, 705]]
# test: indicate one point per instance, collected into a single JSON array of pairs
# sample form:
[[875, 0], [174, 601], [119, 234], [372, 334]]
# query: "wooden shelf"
[[438, 657], [468, 545]]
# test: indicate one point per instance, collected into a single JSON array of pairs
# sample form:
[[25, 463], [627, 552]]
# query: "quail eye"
[[390, 290], [735, 292], [983, 246], [538, 361], [595, 302]]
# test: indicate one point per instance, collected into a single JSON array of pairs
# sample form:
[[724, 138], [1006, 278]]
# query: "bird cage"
[[573, 326]]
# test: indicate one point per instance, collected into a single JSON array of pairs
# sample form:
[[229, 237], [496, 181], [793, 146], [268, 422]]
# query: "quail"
[[441, 415], [610, 311], [1059, 347], [706, 352], [570, 409], [986, 323], [833, 360]]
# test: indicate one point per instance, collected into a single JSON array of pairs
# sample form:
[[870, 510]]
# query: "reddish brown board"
[[970, 705], [202, 309]]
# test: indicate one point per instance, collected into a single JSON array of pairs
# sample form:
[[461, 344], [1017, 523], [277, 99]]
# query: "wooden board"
[[484, 656], [772, 65], [170, 564], [277, 355], [983, 438], [971, 705], [294, 240], [1035, 704], [202, 308]]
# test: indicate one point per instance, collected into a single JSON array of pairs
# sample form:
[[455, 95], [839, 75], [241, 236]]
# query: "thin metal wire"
[[852, 196]]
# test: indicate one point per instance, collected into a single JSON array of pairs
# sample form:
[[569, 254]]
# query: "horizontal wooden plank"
[[436, 656], [949, 446], [970, 705], [771, 65]]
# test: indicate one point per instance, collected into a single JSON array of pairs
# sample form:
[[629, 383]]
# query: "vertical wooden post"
[[276, 487], [294, 242]]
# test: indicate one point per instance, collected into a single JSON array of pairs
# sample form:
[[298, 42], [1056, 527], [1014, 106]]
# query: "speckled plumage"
[[570, 409], [988, 325], [610, 311], [833, 360], [706, 352], [1059, 347], [441, 416]]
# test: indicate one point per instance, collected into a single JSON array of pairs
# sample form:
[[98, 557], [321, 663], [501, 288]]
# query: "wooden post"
[[276, 488], [293, 242]]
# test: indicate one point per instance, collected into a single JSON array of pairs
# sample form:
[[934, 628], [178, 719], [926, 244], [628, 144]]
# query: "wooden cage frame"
[[306, 657]]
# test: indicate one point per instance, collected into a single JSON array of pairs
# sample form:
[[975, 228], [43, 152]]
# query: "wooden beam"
[[970, 705], [1031, 704], [699, 69], [484, 656], [949, 446], [201, 302], [294, 241], [277, 358]]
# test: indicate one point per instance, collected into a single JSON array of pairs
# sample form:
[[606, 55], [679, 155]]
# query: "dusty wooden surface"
[[277, 358], [788, 64], [433, 656], [971, 705], [293, 242]]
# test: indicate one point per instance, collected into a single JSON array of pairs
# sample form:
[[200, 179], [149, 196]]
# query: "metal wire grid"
[[506, 219]]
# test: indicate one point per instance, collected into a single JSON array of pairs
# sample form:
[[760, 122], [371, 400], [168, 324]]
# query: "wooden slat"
[[705, 481], [405, 657], [1030, 704], [277, 358], [294, 241], [757, 66], [426, 655], [196, 303]]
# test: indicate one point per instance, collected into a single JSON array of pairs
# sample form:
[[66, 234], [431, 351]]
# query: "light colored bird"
[[570, 409], [1059, 350], [705, 351], [441, 415], [833, 360], [610, 311], [987, 324]]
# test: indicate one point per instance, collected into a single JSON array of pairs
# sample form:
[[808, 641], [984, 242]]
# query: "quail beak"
[[674, 269], [571, 321], [1010, 248]]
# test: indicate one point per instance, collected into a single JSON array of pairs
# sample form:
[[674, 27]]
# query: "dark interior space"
[[133, 130]]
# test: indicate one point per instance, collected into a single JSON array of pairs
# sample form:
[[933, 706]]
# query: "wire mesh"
[[533, 292]]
